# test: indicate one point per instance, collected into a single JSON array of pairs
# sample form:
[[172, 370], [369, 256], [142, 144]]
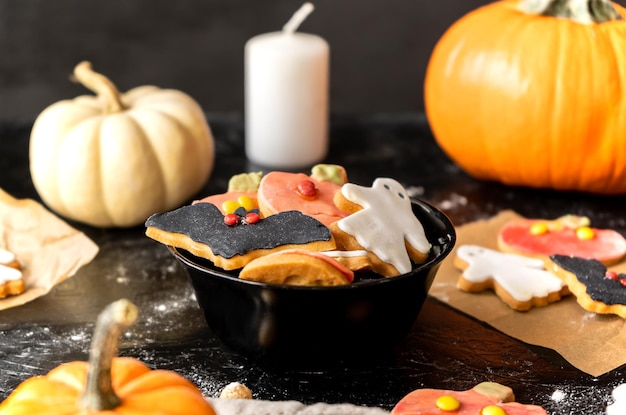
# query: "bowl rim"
[[184, 257]]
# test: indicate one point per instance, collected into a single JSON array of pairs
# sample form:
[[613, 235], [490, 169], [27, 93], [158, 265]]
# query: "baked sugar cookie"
[[381, 221], [204, 231], [310, 194], [11, 281], [595, 287], [297, 267], [484, 398], [567, 235], [519, 281]]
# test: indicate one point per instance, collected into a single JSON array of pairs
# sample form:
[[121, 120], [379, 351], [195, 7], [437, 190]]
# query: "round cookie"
[[484, 398], [568, 235], [381, 221], [297, 267]]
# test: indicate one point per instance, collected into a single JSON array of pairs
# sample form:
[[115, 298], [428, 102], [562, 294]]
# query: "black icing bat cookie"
[[596, 288], [201, 229]]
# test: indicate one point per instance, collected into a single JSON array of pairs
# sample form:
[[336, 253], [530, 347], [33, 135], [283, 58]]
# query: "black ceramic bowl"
[[291, 324]]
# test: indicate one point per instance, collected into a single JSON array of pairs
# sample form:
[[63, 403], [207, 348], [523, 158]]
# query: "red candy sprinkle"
[[622, 281], [306, 188], [251, 218], [231, 219], [612, 275]]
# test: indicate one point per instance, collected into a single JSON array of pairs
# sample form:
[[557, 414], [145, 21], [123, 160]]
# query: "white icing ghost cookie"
[[521, 282], [618, 407], [382, 222]]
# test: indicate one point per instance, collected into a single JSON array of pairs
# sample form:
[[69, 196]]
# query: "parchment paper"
[[48, 249], [593, 343]]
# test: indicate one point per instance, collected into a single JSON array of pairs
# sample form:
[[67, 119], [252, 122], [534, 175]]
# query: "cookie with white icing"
[[519, 281], [381, 221], [11, 282], [618, 407]]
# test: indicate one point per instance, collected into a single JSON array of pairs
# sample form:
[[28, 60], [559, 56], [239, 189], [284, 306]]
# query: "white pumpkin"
[[111, 160]]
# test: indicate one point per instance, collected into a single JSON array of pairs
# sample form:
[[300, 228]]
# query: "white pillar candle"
[[286, 96]]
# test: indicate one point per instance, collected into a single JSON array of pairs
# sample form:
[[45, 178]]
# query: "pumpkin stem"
[[100, 85], [581, 11], [114, 319]]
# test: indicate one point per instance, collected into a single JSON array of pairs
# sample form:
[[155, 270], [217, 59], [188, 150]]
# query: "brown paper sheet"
[[593, 343], [48, 249]]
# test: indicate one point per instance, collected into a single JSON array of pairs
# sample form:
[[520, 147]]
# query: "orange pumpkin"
[[533, 93], [107, 384]]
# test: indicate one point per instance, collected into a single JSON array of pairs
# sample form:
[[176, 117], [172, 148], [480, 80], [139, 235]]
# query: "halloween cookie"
[[381, 221], [595, 287], [567, 235], [231, 241], [241, 192], [312, 195], [618, 407], [11, 282], [521, 282], [297, 267], [484, 398]]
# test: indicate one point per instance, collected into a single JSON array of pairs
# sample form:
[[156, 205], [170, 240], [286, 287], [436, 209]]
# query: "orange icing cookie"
[[297, 267], [311, 195], [241, 192], [568, 235], [382, 222], [487, 398], [521, 282]]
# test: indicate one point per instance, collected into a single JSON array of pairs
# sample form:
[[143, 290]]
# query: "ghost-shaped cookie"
[[521, 282]]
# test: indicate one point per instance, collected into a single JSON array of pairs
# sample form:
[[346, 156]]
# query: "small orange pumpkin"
[[533, 93], [107, 384]]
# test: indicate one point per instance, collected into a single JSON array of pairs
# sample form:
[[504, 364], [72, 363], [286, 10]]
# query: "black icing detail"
[[204, 223], [591, 273]]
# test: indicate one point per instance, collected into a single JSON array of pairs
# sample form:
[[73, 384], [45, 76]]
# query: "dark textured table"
[[445, 349]]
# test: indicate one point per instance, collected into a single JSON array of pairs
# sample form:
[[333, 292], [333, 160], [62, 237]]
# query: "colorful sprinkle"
[[611, 275], [247, 203], [230, 206], [231, 219], [585, 233], [306, 189], [251, 218], [492, 410], [447, 403], [538, 228]]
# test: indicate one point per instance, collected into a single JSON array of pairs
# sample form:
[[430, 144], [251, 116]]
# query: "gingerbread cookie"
[[297, 267], [312, 195], [11, 282], [521, 282], [232, 241], [484, 398], [595, 287], [381, 221], [567, 235]]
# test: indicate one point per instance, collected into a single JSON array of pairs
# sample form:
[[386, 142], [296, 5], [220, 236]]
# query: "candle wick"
[[297, 18]]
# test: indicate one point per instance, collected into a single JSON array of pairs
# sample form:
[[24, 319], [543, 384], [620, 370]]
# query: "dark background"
[[379, 48]]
